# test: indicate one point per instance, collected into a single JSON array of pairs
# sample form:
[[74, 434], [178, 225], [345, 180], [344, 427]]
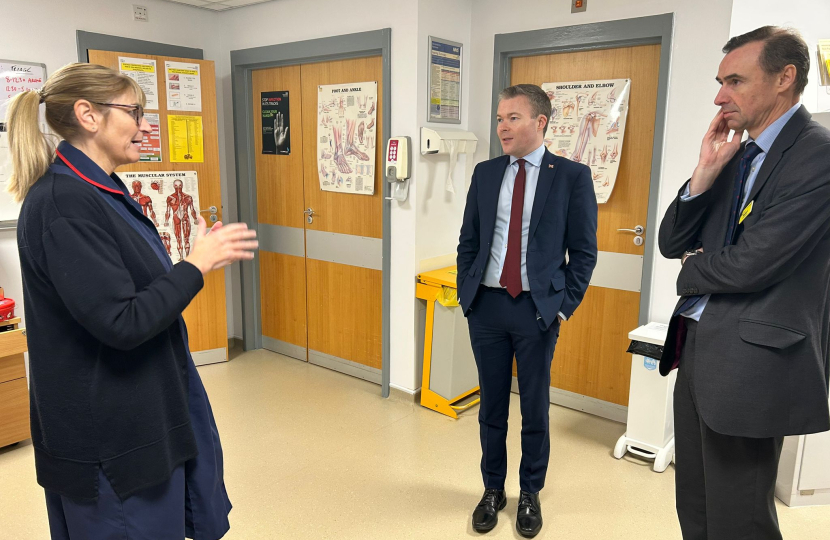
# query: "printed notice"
[[444, 82], [184, 86], [275, 123], [186, 139], [143, 72], [150, 148]]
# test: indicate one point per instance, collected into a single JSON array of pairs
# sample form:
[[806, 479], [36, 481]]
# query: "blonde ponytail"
[[30, 151]]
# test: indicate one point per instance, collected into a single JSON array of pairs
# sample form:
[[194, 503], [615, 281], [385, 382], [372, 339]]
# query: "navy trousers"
[[155, 513], [500, 327]]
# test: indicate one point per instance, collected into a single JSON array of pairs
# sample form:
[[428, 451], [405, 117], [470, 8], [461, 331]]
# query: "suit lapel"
[[490, 192], [782, 143], [547, 171]]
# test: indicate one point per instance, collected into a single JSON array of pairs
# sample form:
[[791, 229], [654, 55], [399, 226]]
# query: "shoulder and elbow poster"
[[587, 125]]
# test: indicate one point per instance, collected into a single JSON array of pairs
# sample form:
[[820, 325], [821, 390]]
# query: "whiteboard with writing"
[[15, 77]]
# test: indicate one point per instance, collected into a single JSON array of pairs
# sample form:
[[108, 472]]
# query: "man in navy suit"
[[525, 210]]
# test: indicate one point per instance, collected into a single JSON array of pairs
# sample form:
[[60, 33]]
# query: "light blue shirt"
[[764, 142], [498, 248]]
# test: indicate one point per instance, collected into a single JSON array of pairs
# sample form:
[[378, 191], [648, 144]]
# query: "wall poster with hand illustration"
[[170, 199], [346, 137], [275, 123], [587, 124]]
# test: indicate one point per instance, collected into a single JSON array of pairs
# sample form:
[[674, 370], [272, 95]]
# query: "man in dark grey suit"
[[750, 333]]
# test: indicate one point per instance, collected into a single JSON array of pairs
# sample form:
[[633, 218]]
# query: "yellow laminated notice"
[[448, 297]]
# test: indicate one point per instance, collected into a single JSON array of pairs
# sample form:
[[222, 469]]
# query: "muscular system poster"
[[170, 199], [346, 137], [587, 125]]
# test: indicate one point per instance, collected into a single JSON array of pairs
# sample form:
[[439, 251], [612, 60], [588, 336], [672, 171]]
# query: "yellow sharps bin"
[[450, 377]]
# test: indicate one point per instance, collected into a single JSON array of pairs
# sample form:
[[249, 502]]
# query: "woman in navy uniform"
[[125, 442]]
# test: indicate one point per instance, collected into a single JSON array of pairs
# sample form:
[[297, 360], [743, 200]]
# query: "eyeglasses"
[[136, 111]]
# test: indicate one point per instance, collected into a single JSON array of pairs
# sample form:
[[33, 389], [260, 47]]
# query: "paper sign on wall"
[[276, 137], [186, 139], [184, 86], [143, 72], [150, 147], [15, 77]]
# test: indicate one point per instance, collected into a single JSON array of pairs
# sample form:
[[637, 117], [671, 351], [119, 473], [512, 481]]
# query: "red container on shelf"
[[6, 307]]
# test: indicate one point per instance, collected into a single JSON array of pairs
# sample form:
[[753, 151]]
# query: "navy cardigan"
[[107, 351]]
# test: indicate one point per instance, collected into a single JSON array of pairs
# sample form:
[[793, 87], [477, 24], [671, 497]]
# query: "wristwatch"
[[687, 255]]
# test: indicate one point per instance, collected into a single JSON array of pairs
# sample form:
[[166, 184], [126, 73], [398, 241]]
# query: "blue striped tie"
[[750, 153]]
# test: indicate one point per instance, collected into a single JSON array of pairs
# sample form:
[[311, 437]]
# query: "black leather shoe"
[[529, 517], [486, 514]]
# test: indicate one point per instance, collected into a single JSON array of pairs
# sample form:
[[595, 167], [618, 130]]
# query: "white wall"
[[424, 228], [810, 17], [296, 20], [701, 29], [45, 31], [438, 213]]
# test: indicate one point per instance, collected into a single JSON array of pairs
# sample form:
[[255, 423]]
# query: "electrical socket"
[[140, 13]]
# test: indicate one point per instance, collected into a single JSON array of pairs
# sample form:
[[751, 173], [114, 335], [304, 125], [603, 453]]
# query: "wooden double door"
[[590, 358], [320, 279]]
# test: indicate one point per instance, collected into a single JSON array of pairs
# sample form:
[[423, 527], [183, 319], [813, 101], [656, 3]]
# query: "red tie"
[[511, 274]]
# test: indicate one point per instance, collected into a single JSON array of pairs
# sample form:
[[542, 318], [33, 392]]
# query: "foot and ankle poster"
[[347, 137]]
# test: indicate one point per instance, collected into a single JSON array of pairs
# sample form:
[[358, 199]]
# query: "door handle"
[[212, 211], [309, 212], [638, 230]]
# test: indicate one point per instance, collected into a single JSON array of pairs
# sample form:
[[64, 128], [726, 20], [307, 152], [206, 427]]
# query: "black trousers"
[[501, 326], [725, 485]]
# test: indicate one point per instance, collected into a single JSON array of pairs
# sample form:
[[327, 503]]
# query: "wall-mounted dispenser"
[[446, 141], [397, 167]]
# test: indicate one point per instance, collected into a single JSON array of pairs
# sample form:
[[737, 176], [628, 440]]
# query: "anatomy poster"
[[587, 124], [275, 123], [170, 199], [346, 137]]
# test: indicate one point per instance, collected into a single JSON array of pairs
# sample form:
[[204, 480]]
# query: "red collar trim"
[[84, 177]]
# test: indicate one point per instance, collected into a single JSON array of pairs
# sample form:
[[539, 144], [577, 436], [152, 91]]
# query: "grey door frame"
[[657, 29], [243, 63], [104, 42]]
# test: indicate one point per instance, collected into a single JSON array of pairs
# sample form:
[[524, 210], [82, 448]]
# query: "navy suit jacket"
[[563, 220]]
